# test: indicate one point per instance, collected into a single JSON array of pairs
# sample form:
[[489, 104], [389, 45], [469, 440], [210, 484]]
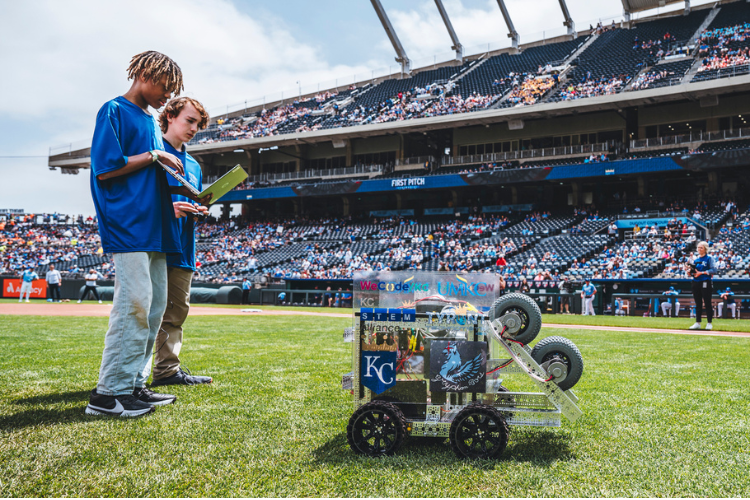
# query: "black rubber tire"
[[478, 418], [567, 352], [369, 415], [531, 316]]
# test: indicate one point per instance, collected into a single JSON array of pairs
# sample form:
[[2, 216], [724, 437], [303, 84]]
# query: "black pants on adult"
[[54, 291], [245, 296], [702, 295], [89, 289]]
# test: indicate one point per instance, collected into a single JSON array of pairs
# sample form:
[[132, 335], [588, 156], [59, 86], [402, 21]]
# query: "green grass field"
[[664, 415]]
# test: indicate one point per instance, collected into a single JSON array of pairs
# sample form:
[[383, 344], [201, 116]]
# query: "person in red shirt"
[[501, 261]]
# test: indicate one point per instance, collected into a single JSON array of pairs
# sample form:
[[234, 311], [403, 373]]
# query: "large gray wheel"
[[527, 309], [563, 350]]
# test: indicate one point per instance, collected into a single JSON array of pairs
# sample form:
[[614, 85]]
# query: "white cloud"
[[68, 58]]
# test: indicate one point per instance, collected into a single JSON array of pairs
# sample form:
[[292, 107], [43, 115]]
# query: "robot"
[[432, 365]]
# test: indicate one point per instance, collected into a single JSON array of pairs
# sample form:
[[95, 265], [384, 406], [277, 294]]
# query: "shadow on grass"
[[43, 417], [541, 447], [538, 447], [55, 398]]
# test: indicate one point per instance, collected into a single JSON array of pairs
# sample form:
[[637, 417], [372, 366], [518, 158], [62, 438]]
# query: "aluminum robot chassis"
[[475, 421]]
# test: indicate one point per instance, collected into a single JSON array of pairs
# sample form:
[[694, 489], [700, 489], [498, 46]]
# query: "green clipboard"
[[226, 182]]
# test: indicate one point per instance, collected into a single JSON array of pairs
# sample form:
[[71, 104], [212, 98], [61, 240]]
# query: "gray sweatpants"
[[139, 303]]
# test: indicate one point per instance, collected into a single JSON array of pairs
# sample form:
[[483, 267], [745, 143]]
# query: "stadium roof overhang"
[[640, 5]]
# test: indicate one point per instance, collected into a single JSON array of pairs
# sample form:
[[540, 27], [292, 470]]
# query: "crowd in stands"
[[593, 87], [336, 248], [733, 57], [645, 80], [24, 244], [530, 90], [269, 122], [721, 47], [454, 104]]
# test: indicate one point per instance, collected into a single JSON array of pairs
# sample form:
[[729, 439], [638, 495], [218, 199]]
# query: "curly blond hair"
[[174, 108]]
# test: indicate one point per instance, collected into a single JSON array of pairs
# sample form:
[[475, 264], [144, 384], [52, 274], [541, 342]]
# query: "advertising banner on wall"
[[12, 288]]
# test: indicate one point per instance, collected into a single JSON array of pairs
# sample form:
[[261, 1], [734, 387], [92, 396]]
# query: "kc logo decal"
[[378, 370]]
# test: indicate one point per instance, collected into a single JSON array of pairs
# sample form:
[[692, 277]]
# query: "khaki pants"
[[169, 338]]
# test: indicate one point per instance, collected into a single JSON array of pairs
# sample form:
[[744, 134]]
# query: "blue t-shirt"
[[194, 175], [589, 290], [704, 264], [134, 211]]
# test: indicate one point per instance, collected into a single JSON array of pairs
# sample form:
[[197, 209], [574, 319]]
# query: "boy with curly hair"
[[180, 121]]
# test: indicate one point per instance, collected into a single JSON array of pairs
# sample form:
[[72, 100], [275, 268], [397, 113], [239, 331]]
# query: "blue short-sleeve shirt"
[[135, 210], [194, 175]]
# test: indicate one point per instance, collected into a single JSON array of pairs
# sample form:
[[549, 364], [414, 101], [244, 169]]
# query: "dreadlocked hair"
[[152, 65], [174, 108]]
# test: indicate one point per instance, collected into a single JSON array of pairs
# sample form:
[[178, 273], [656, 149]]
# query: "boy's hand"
[[171, 160], [183, 191], [205, 200], [183, 208]]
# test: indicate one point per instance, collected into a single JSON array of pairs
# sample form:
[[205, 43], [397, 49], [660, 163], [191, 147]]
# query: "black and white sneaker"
[[182, 377], [153, 398], [117, 406]]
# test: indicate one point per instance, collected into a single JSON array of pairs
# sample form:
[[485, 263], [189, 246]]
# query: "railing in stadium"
[[416, 160], [73, 149], [688, 138], [311, 174], [738, 70], [529, 153]]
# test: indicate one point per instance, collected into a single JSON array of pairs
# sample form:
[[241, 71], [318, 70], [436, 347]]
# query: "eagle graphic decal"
[[458, 366]]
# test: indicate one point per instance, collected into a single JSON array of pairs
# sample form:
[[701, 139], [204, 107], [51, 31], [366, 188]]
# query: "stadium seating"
[[493, 77], [615, 59], [725, 44], [710, 147], [663, 75]]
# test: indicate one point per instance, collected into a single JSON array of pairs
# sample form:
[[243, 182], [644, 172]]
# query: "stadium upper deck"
[[704, 45], [654, 97]]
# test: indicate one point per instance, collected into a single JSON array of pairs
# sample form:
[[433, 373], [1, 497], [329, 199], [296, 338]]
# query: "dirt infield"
[[102, 310], [716, 333]]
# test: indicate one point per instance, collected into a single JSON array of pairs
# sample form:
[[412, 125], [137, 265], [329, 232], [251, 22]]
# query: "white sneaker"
[[27, 301], [79, 301], [100, 301], [696, 326], [709, 327]]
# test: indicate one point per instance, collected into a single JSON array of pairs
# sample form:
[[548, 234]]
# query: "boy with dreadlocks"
[[137, 225]]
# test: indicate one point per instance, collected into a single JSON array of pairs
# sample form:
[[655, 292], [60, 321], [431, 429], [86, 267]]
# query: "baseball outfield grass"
[[664, 415]]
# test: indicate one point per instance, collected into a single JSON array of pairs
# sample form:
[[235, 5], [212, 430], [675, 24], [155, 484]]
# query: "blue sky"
[[63, 60]]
